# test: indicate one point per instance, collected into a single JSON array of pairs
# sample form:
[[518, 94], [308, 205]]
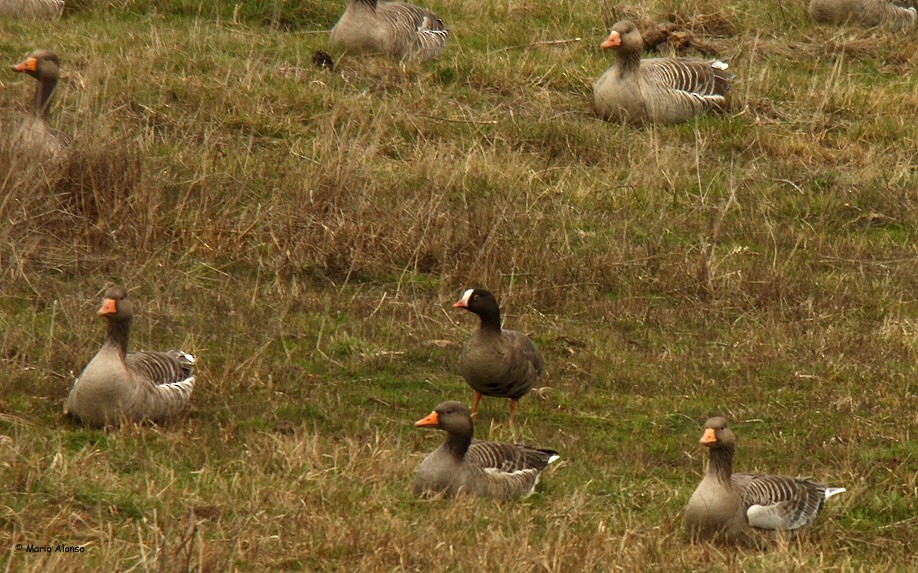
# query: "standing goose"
[[34, 133], [137, 386], [867, 13], [485, 469], [393, 28], [496, 362], [31, 9], [725, 505], [657, 90]]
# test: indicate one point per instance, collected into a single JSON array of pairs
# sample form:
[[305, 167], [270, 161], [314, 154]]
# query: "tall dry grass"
[[303, 232]]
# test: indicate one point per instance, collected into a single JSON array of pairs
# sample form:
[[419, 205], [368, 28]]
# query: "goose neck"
[[118, 333], [458, 443], [721, 464], [42, 99]]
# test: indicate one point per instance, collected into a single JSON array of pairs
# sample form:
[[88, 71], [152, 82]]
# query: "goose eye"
[[476, 296]]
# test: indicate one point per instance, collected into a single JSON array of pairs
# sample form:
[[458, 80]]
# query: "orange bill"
[[109, 306], [27, 65], [612, 41], [431, 421], [709, 437]]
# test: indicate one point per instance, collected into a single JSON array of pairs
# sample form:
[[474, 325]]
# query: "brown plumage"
[[725, 505], [119, 385], [31, 9], [656, 90], [866, 13], [392, 28], [495, 361], [485, 469]]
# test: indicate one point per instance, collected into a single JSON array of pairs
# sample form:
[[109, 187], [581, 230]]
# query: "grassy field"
[[304, 232]]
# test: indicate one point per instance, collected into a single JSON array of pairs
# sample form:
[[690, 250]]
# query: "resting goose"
[[656, 90], [34, 133], [34, 9], [867, 13], [136, 386], [494, 361], [393, 28], [485, 469], [725, 505]]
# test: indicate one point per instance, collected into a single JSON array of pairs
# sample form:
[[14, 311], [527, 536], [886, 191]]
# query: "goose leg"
[[475, 402], [513, 406]]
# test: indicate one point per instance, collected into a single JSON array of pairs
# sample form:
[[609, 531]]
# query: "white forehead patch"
[[467, 295]]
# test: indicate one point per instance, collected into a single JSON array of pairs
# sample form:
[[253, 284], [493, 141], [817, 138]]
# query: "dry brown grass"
[[303, 231]]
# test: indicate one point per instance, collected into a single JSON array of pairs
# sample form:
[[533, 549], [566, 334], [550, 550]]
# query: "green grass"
[[304, 233]]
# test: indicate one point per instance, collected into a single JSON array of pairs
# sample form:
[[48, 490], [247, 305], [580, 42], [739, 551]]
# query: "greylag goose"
[[495, 361], [867, 13], [393, 28], [35, 9], [485, 469], [725, 504], [136, 386], [34, 133], [656, 90]]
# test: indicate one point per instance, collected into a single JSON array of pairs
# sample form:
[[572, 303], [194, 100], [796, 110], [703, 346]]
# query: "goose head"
[[452, 417], [624, 37], [116, 305], [481, 302], [717, 435], [44, 66]]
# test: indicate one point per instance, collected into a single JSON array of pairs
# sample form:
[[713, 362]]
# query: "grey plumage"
[[31, 9], [867, 13], [656, 90], [780, 502], [136, 386], [725, 505], [33, 136], [485, 469], [495, 361], [392, 28]]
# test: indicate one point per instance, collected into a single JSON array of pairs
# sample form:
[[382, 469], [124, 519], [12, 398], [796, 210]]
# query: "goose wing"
[[780, 502], [168, 375], [421, 33]]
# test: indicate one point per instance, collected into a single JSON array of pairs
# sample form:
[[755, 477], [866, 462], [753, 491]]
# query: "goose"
[[656, 90], [867, 13], [725, 505], [136, 386], [31, 9], [495, 361], [486, 469], [34, 133], [393, 28]]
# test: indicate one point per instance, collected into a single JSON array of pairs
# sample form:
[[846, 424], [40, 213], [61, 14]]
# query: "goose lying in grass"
[[866, 13], [494, 361], [119, 385], [656, 90], [31, 9], [485, 469], [392, 28], [725, 505], [34, 135]]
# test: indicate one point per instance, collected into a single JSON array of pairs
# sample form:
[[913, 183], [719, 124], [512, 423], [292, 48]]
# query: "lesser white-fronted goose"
[[119, 385], [867, 13], [725, 504], [495, 361], [656, 90], [34, 9], [486, 469], [34, 133], [393, 28]]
